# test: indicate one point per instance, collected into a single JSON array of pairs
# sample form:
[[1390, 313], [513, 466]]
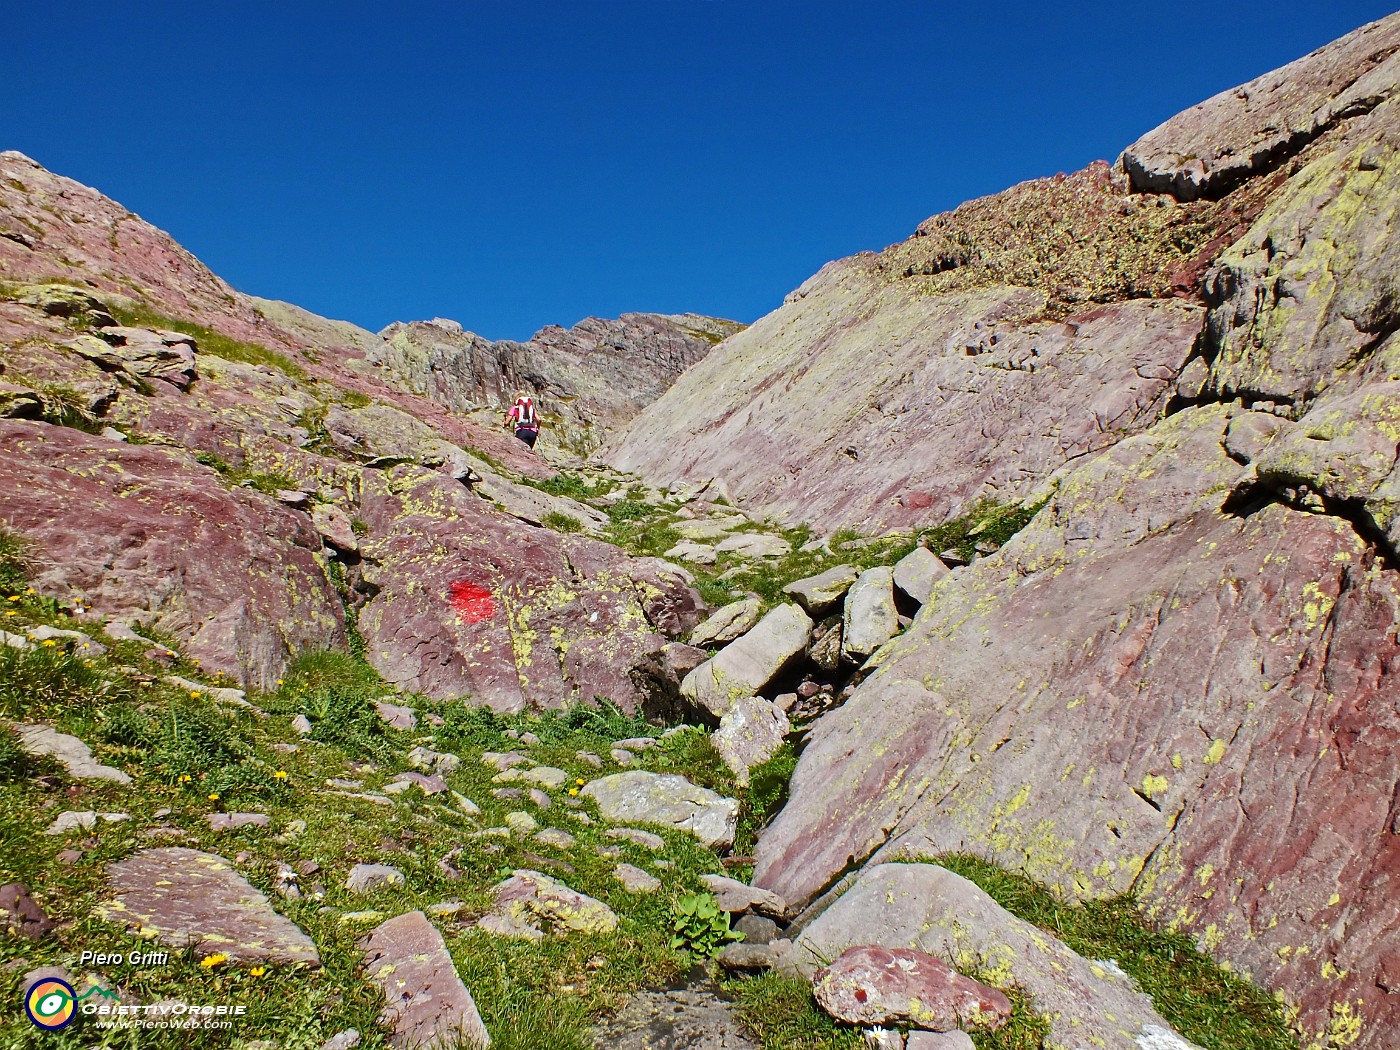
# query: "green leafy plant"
[[700, 926]]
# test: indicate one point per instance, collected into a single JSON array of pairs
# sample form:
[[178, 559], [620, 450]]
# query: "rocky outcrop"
[[588, 380], [1248, 130]]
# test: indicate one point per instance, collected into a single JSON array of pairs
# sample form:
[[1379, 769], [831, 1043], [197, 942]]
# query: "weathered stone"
[[735, 896], [429, 785], [917, 572], [955, 1040], [521, 822], [219, 694], [437, 762], [346, 1040], [728, 623], [871, 618], [20, 914], [754, 545], [1248, 130], [635, 880], [335, 527], [638, 743], [750, 663], [75, 756], [931, 910], [669, 800], [696, 553], [695, 1017], [621, 756], [875, 985], [555, 837], [756, 929], [398, 716], [822, 593], [183, 897], [528, 901], [503, 760], [82, 820], [302, 725], [230, 821], [744, 956], [638, 837], [73, 641], [749, 734], [426, 1003], [365, 879]]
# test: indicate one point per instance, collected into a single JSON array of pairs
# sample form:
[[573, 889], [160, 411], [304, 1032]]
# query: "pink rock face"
[[1141, 692], [871, 985], [141, 532], [950, 380]]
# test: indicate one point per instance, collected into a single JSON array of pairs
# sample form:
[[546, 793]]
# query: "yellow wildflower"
[[30, 591], [211, 961], [11, 612], [580, 782], [213, 796], [13, 598], [281, 774], [194, 696], [257, 971], [49, 642], [185, 778], [573, 791]]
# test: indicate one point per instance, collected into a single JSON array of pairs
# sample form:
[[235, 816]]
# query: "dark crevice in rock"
[[1249, 499]]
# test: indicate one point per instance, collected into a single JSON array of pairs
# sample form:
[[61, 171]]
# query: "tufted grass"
[[209, 341], [784, 1015]]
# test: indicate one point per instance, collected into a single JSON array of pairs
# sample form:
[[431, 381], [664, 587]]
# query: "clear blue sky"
[[515, 164]]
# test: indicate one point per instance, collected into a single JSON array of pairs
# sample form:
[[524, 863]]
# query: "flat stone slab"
[[669, 800], [696, 1017], [735, 896], [638, 837], [183, 896], [426, 1003], [916, 573], [371, 878], [44, 741], [635, 880], [749, 734], [230, 821], [748, 664]]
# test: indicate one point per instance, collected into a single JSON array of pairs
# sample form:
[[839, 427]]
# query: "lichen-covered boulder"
[[917, 572], [745, 666], [821, 593], [750, 732], [528, 903], [728, 623], [870, 619], [666, 799]]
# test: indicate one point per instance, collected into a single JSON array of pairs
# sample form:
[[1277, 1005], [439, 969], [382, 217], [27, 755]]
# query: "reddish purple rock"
[[871, 985]]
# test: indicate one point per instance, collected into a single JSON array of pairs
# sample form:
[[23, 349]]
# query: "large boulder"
[[468, 602], [917, 572], [746, 666], [426, 1003], [935, 912], [669, 800], [1248, 130], [750, 732]]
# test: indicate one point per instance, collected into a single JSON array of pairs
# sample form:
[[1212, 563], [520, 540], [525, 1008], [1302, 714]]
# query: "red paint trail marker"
[[472, 602]]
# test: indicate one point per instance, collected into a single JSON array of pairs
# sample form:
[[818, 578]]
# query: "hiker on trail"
[[522, 416]]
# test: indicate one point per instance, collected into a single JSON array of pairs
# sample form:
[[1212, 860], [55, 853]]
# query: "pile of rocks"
[[821, 645]]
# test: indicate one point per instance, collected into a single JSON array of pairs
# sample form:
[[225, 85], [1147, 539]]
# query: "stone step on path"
[[695, 1015]]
